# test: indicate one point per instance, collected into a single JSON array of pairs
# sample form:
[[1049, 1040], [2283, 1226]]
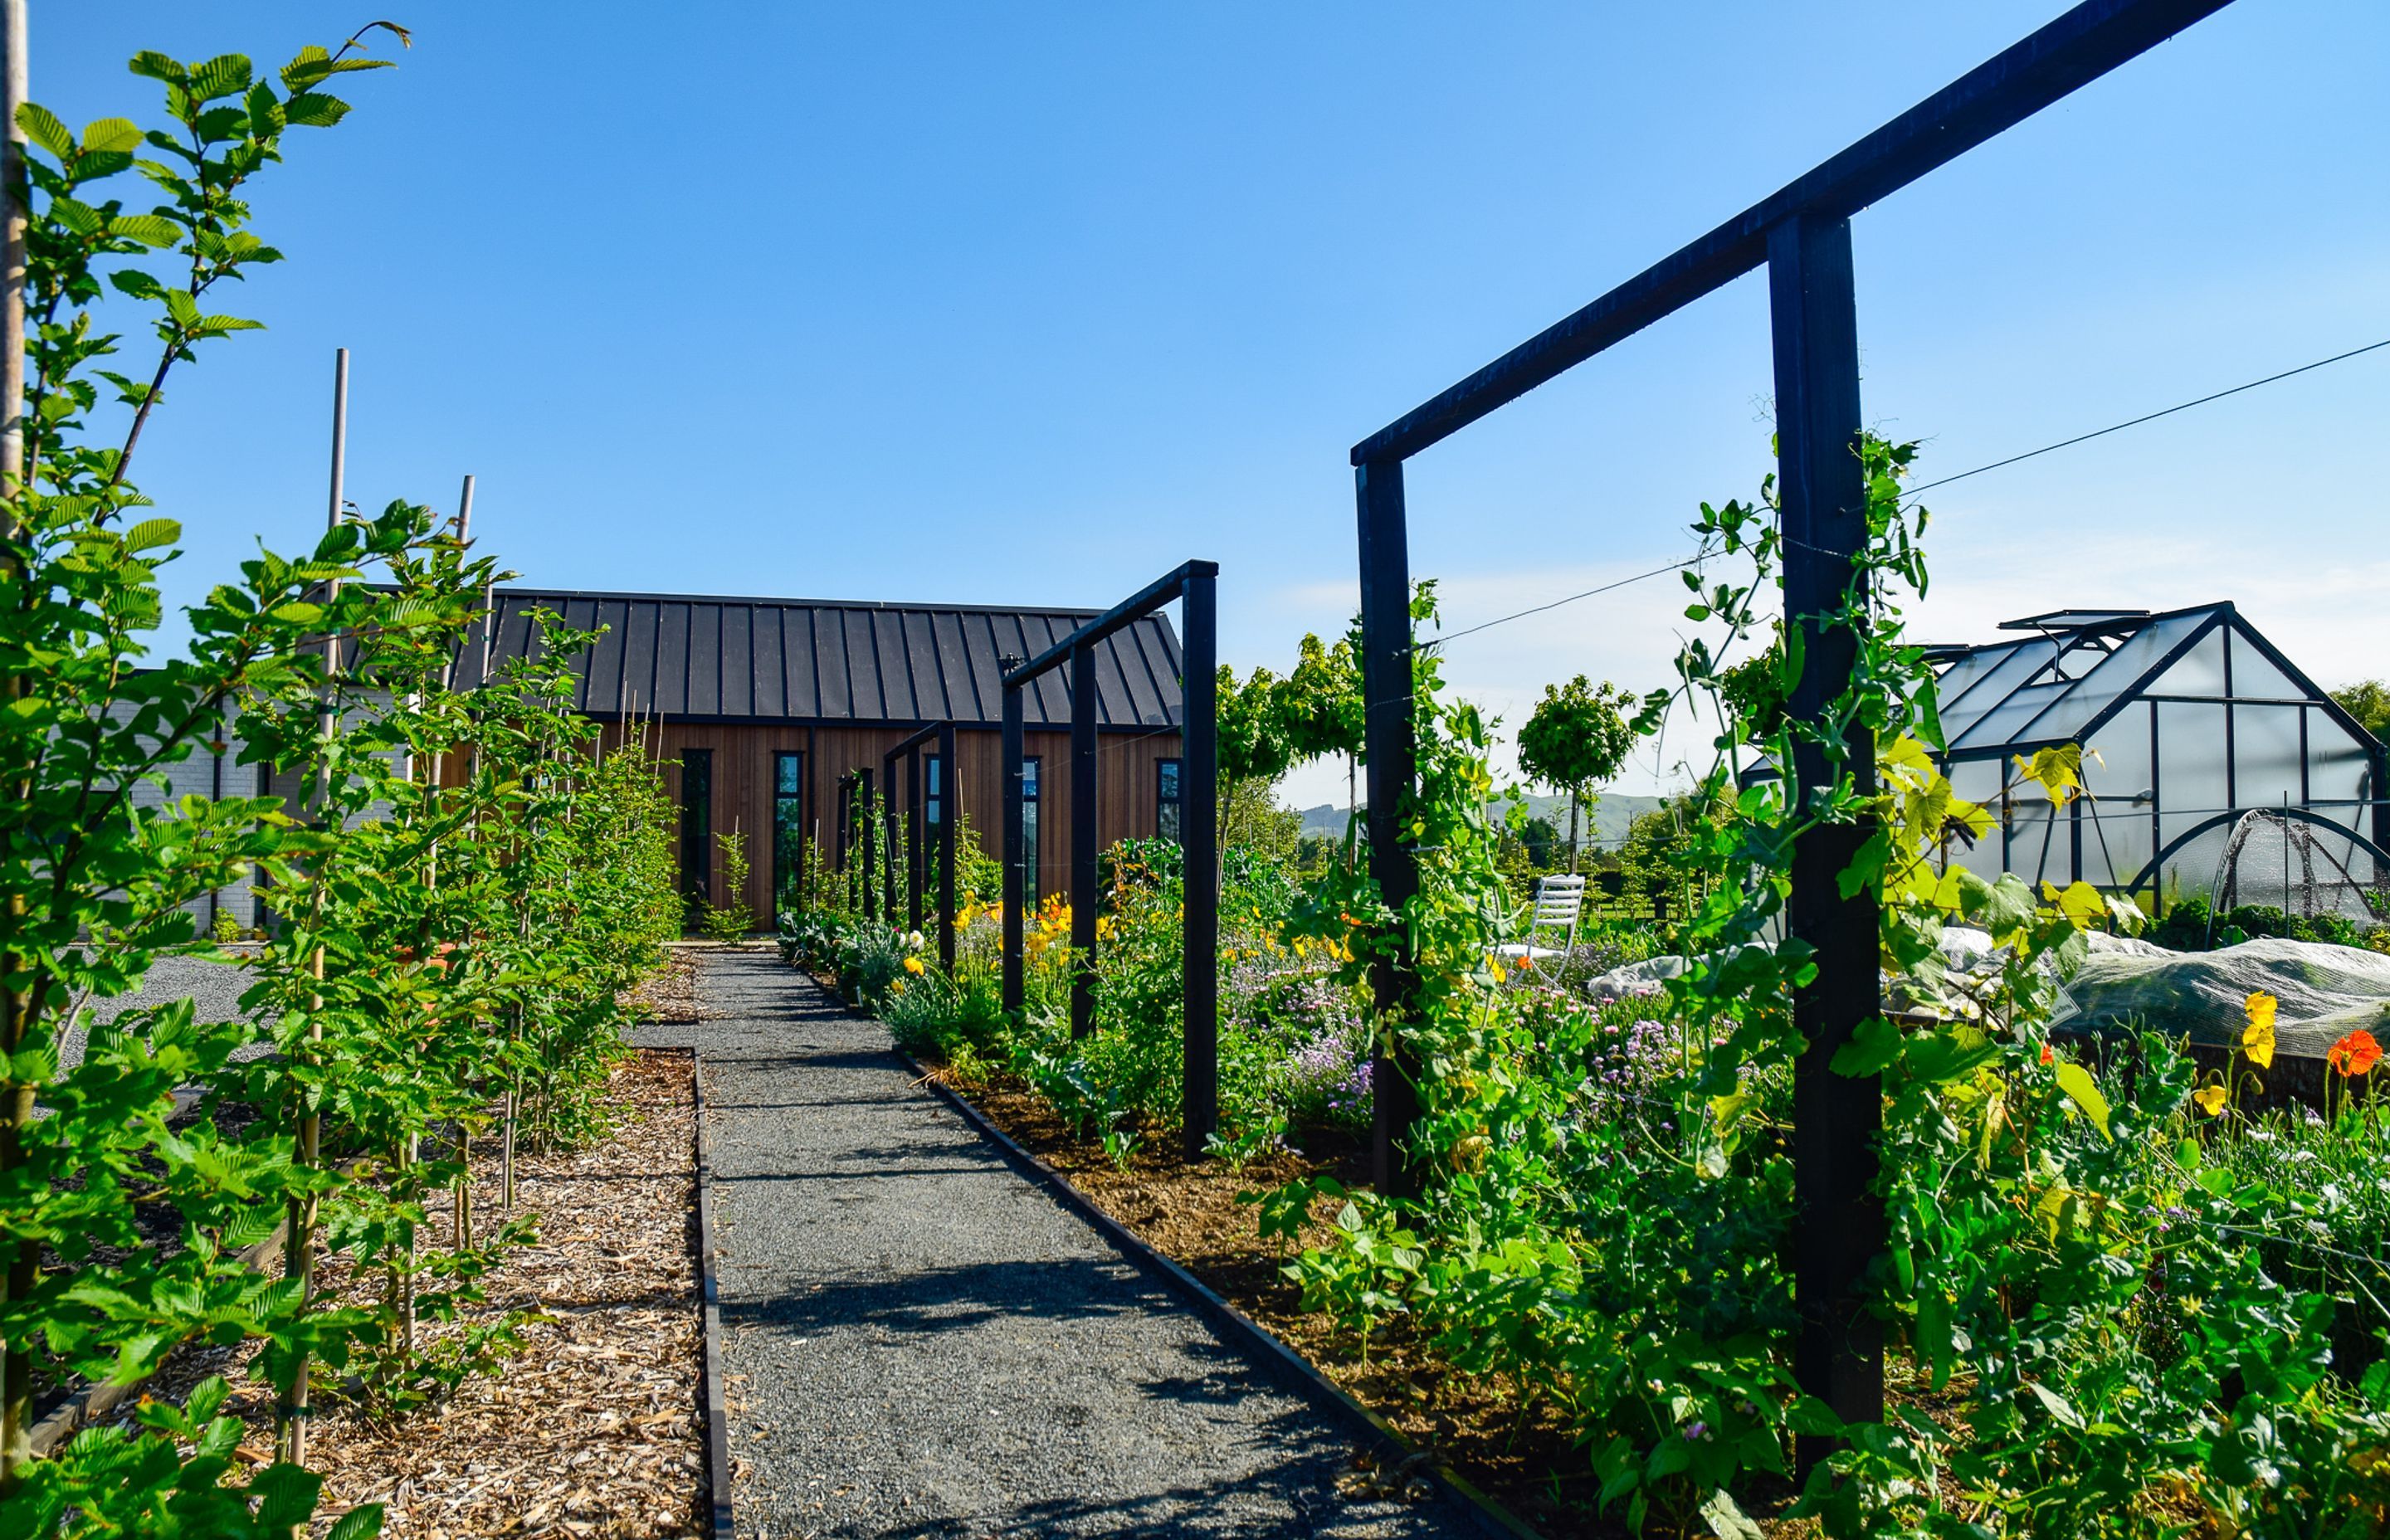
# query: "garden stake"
[[18, 1012], [298, 1251]]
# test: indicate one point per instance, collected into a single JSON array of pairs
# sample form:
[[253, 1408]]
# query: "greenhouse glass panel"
[[2119, 832], [2190, 759], [2266, 756], [2199, 671], [2255, 677], [2015, 664], [2037, 848], [2116, 677], [2340, 772], [2007, 722], [1978, 781]]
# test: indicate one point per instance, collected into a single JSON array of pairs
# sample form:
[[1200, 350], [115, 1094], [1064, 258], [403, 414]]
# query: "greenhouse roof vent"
[[2070, 619]]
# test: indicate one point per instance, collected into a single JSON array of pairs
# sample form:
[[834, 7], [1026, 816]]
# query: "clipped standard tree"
[[1577, 738], [1323, 712]]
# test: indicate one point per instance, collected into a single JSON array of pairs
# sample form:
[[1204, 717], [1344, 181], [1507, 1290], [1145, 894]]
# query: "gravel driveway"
[[921, 1341]]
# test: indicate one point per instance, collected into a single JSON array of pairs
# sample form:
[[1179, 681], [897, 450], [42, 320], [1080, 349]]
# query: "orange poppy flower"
[[2354, 1055]]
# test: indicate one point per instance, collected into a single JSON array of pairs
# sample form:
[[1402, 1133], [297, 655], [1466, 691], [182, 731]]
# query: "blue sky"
[[1028, 304]]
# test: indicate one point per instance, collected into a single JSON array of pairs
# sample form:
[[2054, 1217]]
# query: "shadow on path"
[[923, 1342]]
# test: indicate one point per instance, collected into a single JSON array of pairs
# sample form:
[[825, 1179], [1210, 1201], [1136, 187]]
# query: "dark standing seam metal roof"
[[740, 659]]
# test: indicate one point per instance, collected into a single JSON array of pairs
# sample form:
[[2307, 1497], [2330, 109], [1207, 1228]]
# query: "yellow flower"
[[2210, 1100], [913, 964], [2257, 1040]]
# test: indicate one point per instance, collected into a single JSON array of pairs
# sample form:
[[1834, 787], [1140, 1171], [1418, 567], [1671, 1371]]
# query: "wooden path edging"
[[1289, 1367], [717, 1414]]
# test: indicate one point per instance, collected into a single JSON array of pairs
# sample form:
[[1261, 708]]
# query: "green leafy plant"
[[448, 952], [730, 921]]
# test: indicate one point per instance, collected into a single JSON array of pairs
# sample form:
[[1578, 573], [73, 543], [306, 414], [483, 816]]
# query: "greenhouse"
[[2211, 764]]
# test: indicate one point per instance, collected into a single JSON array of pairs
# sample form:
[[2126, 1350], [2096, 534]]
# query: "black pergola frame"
[[1802, 235], [1195, 586], [859, 832], [941, 733]]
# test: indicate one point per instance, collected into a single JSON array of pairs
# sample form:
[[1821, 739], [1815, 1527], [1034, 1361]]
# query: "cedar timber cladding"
[[841, 683]]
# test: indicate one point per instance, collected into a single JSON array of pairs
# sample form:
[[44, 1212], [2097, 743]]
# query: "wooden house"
[[763, 709]]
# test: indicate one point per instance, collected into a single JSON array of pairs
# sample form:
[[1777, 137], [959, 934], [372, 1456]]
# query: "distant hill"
[[1611, 812]]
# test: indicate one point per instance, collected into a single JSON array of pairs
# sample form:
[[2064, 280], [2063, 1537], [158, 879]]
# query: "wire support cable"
[[2146, 416]]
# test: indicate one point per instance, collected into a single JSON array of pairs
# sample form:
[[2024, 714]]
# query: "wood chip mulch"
[[595, 1427], [669, 994]]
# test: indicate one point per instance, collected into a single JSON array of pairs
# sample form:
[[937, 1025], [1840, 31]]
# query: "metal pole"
[[1840, 1227], [949, 801], [1084, 846], [1015, 889], [1387, 740], [1199, 841]]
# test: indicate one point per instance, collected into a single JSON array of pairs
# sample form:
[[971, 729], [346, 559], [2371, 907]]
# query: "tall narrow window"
[[788, 831], [1029, 829], [697, 827], [1170, 798], [934, 793]]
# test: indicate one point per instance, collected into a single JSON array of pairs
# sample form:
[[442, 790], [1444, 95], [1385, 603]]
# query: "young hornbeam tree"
[[364, 1004], [95, 883], [1577, 739]]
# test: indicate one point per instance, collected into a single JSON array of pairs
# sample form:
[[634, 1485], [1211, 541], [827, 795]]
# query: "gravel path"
[[213, 988], [921, 1341]]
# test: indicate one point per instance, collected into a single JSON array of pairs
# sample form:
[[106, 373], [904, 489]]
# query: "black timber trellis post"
[[860, 825], [909, 751], [1802, 235], [1196, 583]]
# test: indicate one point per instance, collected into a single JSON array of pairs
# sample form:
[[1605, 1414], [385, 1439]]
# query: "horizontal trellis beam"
[[2071, 52], [921, 735], [1120, 617]]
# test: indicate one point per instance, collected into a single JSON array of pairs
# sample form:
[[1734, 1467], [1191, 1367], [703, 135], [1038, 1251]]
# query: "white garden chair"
[[1559, 901]]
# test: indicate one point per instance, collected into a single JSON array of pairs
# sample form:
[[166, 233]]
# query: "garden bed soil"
[[1526, 1461], [595, 1427]]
